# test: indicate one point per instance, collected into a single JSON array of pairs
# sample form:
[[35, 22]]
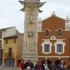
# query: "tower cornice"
[[38, 4], [32, 4]]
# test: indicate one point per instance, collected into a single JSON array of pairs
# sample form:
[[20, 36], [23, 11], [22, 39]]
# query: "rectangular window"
[[1, 52], [0, 44], [0, 34], [10, 52], [14, 40], [59, 48], [46, 48], [6, 41]]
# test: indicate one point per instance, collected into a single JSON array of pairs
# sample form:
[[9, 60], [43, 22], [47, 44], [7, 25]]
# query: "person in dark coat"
[[43, 62], [29, 64], [61, 65], [57, 62], [52, 66], [68, 66], [38, 66]]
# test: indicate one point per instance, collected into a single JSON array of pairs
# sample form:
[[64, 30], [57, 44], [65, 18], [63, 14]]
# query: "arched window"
[[59, 32], [47, 33]]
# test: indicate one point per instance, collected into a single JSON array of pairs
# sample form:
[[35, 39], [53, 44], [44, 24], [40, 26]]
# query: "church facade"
[[54, 39]]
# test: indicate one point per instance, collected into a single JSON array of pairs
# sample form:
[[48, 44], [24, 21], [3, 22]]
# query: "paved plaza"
[[8, 68]]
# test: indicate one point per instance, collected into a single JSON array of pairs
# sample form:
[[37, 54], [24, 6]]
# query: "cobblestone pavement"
[[8, 68]]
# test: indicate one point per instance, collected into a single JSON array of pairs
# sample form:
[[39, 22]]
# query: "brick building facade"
[[54, 39]]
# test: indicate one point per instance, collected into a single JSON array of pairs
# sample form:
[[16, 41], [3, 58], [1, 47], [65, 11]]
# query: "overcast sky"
[[10, 14]]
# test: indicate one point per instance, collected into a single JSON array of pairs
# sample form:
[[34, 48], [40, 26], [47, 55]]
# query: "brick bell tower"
[[30, 47]]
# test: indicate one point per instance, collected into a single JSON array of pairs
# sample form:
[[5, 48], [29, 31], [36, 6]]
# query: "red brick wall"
[[53, 23]]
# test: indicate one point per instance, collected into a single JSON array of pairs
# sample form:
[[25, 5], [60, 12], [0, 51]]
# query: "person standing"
[[52, 66], [21, 64], [68, 66], [46, 65], [29, 65], [38, 66], [61, 65], [65, 67]]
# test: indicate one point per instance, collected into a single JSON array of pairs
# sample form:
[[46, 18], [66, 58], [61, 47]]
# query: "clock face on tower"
[[30, 34]]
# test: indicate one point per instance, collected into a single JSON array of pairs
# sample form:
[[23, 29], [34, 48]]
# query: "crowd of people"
[[44, 65]]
